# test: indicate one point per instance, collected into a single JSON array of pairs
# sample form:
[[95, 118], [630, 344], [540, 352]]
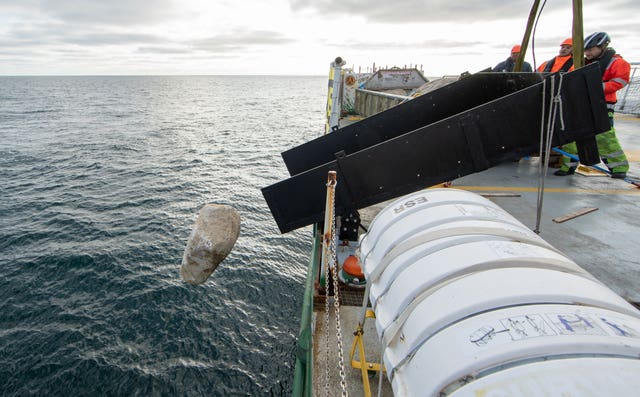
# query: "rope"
[[555, 105], [540, 171]]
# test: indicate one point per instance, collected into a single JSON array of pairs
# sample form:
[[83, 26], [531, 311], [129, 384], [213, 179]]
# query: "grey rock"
[[212, 238]]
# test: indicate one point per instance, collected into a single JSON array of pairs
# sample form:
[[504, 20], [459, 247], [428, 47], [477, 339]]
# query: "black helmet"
[[596, 39]]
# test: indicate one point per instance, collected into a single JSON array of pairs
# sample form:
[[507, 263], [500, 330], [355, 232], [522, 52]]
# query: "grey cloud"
[[163, 50], [56, 34], [16, 53], [83, 23], [33, 33], [631, 7], [629, 30], [109, 12], [448, 44], [442, 10], [59, 34], [237, 41], [105, 38], [547, 42], [413, 44], [419, 11]]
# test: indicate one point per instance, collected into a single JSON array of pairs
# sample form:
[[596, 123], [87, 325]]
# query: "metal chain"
[[336, 305], [326, 324], [331, 276], [326, 239]]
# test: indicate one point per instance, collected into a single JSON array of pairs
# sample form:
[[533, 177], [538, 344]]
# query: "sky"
[[289, 37]]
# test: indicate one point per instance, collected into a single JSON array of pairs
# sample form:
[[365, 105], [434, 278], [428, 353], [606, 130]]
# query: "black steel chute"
[[441, 151]]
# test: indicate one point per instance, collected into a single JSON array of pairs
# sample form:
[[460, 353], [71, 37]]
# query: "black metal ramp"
[[465, 143], [439, 104]]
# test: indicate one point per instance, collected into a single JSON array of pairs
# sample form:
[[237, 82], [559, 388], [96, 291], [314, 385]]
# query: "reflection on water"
[[101, 180]]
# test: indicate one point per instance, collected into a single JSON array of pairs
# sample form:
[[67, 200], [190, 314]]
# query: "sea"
[[101, 180]]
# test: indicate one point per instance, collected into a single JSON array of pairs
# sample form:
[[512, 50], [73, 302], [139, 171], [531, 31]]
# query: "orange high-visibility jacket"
[[615, 77], [557, 63]]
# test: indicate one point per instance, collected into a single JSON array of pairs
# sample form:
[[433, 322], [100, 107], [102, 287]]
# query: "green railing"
[[303, 375]]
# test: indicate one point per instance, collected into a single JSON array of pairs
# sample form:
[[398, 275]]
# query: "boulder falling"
[[212, 238]]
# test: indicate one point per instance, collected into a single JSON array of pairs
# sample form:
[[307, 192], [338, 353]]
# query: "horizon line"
[[161, 75]]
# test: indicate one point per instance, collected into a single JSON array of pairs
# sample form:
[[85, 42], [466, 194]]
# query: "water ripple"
[[101, 181]]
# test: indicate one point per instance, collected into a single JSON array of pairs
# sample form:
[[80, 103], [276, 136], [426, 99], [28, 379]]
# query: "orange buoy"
[[351, 266]]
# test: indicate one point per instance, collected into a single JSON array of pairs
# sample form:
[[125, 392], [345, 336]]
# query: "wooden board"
[[589, 171], [575, 214]]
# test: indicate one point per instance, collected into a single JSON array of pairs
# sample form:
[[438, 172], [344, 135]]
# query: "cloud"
[[56, 34], [410, 45], [163, 50], [111, 38], [109, 12], [166, 35], [238, 41], [631, 7], [40, 24], [616, 17], [419, 11]]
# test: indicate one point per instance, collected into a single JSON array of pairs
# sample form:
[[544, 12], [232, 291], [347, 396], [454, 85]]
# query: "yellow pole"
[[363, 367], [527, 34], [362, 364], [578, 35]]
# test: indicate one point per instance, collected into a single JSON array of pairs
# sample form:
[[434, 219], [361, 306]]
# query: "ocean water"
[[101, 179]]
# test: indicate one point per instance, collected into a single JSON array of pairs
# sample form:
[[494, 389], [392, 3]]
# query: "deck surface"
[[349, 316], [605, 241]]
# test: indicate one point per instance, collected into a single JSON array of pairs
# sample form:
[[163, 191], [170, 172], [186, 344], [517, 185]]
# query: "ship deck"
[[604, 242]]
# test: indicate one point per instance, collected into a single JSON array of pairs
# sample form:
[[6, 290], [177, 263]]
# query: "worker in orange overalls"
[[563, 62], [615, 75]]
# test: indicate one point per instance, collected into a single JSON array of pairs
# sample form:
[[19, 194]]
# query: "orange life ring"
[[350, 80]]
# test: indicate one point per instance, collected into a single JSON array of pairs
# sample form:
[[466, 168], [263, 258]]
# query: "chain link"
[[331, 276], [336, 306], [326, 325]]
